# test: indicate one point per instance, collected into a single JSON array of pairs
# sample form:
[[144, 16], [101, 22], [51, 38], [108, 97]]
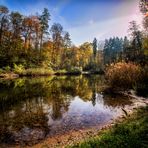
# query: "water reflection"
[[34, 108]]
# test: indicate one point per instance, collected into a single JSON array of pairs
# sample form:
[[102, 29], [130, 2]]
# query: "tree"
[[67, 40], [143, 4], [134, 52], [57, 39], [106, 52], [144, 10], [85, 54], [113, 49], [28, 30], [135, 35], [44, 18], [16, 21], [37, 32], [66, 51], [3, 21], [16, 28], [94, 47], [126, 42]]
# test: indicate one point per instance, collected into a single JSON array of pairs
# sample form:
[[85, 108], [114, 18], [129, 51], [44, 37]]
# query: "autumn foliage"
[[123, 75]]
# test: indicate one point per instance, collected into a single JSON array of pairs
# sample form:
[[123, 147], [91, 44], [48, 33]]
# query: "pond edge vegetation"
[[19, 71], [128, 133]]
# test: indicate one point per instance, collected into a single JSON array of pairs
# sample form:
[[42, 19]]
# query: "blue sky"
[[84, 19]]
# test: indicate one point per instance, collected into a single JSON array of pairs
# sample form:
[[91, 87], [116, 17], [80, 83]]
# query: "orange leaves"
[[32, 21], [146, 14], [123, 75]]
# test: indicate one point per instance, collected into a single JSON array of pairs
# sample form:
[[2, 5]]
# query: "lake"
[[32, 109]]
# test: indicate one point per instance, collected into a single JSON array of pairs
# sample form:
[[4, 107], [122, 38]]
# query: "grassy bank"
[[37, 72], [19, 70], [131, 133]]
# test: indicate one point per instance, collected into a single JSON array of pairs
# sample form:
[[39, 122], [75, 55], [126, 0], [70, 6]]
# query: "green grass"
[[36, 72], [132, 133], [1, 71]]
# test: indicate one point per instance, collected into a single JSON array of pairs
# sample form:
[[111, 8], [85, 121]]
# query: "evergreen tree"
[[94, 47], [44, 18], [67, 40]]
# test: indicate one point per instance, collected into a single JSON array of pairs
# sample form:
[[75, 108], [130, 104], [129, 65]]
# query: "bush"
[[123, 75], [18, 69], [1, 71], [7, 69], [61, 72], [36, 72], [75, 70]]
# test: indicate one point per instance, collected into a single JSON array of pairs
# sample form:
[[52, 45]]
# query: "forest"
[[54, 93], [28, 42]]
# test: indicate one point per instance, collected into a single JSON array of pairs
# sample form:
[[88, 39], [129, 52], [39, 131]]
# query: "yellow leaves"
[[146, 52], [145, 43], [145, 46]]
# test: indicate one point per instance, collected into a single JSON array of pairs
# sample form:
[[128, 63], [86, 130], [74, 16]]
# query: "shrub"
[[18, 68], [7, 69], [75, 70], [36, 72], [61, 72], [1, 71], [123, 75]]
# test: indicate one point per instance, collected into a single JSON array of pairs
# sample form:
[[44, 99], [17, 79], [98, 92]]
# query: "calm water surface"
[[32, 109]]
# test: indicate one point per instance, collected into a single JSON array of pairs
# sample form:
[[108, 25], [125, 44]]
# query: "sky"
[[84, 19]]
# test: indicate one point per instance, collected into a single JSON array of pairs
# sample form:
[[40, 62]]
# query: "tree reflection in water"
[[34, 108]]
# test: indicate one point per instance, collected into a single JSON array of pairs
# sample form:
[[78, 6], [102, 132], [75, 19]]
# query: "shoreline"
[[75, 137], [12, 75]]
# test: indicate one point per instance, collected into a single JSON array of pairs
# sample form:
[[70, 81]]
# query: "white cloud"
[[91, 22], [102, 30], [116, 26], [89, 27]]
